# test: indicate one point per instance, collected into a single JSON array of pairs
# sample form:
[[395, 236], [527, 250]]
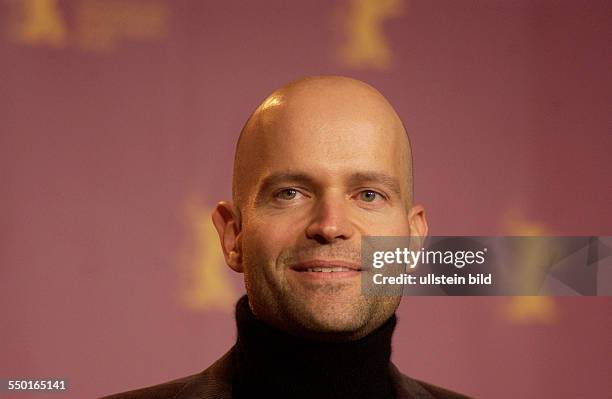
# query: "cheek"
[[262, 242], [262, 245], [401, 227], [386, 224]]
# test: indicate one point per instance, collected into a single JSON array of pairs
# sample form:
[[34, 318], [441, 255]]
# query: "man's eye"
[[286, 194], [369, 196]]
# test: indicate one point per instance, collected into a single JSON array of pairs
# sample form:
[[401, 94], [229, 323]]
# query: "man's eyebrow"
[[388, 181], [281, 177], [299, 177]]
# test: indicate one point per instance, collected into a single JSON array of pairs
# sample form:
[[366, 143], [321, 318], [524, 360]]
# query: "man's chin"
[[330, 318]]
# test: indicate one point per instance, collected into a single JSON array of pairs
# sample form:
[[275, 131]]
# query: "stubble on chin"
[[338, 310], [338, 320]]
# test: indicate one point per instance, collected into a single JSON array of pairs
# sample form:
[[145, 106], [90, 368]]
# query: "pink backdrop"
[[118, 121]]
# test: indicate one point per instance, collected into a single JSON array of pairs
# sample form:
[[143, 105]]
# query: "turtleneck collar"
[[271, 363]]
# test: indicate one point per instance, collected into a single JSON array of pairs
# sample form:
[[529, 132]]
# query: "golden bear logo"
[[366, 45], [528, 309], [98, 25], [204, 278], [40, 22]]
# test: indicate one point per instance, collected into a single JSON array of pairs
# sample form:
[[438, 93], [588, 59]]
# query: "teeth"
[[328, 269]]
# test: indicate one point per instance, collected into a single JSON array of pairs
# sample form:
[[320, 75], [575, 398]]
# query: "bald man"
[[322, 162]]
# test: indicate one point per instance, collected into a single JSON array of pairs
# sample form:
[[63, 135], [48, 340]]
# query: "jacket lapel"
[[213, 383], [406, 387]]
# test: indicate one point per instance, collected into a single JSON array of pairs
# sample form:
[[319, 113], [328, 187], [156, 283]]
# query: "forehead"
[[327, 138]]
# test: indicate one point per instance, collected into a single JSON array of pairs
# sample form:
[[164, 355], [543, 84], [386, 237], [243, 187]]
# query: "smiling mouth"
[[326, 266], [327, 269]]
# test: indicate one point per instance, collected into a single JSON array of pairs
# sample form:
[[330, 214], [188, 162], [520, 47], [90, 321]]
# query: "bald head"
[[321, 163], [309, 109]]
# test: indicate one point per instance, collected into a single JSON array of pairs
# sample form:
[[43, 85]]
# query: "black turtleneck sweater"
[[271, 363]]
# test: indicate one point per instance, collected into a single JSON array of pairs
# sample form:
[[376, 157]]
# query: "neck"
[[272, 363]]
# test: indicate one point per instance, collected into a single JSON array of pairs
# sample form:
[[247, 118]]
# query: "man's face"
[[318, 179]]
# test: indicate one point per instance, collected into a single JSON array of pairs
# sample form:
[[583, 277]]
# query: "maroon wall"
[[117, 126]]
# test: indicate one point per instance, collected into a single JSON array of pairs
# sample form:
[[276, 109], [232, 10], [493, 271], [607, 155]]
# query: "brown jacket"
[[215, 383]]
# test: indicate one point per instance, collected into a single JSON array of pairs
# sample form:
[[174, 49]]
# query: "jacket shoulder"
[[166, 390], [409, 388], [214, 382], [442, 393]]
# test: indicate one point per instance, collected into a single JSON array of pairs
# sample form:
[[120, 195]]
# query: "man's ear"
[[418, 222], [225, 219]]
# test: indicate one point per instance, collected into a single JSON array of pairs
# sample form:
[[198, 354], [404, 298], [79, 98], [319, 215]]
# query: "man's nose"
[[330, 221]]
